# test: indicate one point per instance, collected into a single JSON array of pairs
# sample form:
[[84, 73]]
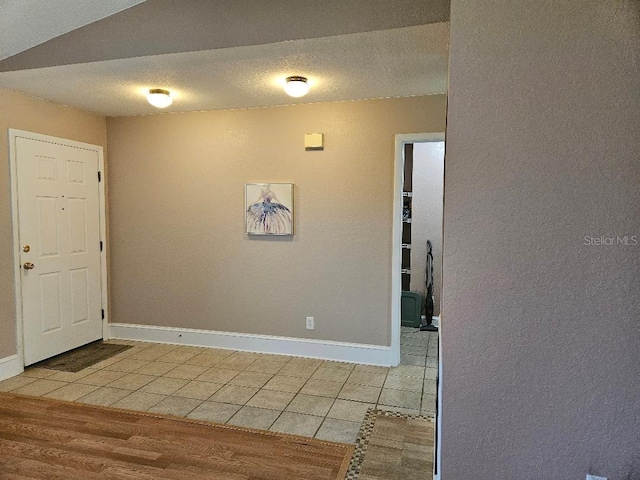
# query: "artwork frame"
[[268, 209]]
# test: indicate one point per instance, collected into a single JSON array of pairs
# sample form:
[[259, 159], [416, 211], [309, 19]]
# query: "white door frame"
[[396, 244], [396, 264], [13, 135]]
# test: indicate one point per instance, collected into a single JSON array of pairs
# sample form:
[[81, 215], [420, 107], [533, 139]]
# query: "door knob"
[[28, 266]]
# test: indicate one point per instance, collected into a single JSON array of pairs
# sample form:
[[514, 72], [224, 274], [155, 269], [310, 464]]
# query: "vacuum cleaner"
[[427, 309]]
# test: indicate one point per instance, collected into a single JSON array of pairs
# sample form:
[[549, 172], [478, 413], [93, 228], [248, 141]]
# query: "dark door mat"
[[82, 357]]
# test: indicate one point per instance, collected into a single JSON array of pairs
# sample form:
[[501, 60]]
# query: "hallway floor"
[[302, 396]]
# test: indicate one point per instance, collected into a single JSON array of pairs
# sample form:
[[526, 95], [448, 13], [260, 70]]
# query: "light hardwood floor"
[[49, 440]]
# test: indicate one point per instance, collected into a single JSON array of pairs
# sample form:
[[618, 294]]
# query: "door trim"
[[13, 135]]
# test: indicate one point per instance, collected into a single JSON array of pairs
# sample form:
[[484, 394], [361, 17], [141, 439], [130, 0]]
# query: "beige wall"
[[179, 256], [428, 189], [540, 331], [27, 113]]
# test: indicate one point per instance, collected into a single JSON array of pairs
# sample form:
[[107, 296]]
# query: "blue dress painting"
[[267, 215]]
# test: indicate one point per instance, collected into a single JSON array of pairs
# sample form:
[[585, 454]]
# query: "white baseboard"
[[10, 367], [300, 347]]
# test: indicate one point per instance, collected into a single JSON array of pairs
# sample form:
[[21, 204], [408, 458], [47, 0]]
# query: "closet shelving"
[[407, 198]]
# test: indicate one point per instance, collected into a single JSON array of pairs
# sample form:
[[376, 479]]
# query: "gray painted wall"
[[157, 27], [179, 256], [541, 332]]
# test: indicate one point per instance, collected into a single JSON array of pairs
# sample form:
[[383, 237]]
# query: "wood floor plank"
[[51, 439], [60, 422], [30, 449], [36, 470]]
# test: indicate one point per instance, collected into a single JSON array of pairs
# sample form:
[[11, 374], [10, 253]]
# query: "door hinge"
[[103, 313], [100, 245], [99, 176]]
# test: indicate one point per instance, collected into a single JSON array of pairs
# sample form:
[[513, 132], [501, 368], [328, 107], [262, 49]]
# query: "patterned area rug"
[[393, 446], [83, 357]]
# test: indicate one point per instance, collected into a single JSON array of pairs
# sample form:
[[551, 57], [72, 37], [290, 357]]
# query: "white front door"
[[59, 233]]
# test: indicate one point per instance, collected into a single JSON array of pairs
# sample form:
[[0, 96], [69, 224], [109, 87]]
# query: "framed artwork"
[[268, 208]]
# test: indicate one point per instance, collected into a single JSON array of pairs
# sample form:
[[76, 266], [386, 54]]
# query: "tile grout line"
[[292, 399], [260, 389]]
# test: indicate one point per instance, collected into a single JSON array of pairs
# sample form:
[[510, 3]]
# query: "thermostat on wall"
[[313, 141]]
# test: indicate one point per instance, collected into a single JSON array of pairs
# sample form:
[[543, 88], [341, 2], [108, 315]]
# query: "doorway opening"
[[422, 210], [417, 241]]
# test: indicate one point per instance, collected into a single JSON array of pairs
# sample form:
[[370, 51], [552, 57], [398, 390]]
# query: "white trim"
[[300, 347], [396, 243], [13, 135], [17, 289], [438, 452], [103, 238], [10, 367]]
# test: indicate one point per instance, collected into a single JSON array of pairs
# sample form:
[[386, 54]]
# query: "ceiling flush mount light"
[[159, 98], [296, 86]]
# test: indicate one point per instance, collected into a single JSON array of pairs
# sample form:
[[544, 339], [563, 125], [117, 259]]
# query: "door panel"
[[59, 218], [79, 295], [48, 226], [77, 224], [50, 314]]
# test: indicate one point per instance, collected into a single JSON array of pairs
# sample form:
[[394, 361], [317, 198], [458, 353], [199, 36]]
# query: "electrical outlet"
[[595, 477], [311, 325]]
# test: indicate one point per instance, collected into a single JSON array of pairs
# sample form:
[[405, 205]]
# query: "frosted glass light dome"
[[296, 86], [159, 98]]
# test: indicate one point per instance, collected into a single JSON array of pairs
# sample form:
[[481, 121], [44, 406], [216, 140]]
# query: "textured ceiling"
[[170, 26], [27, 23], [221, 54], [388, 63]]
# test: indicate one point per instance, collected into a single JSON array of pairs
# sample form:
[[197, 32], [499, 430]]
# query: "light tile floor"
[[302, 396]]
